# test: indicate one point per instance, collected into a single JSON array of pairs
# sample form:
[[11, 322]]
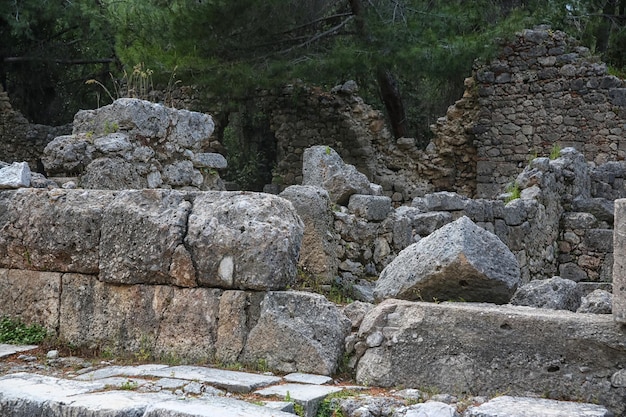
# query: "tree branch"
[[12, 59], [319, 36]]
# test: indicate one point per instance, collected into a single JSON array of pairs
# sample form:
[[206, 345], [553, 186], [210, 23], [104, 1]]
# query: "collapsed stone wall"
[[21, 141], [542, 91]]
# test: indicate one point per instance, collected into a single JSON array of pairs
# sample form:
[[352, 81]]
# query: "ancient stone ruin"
[[131, 247]]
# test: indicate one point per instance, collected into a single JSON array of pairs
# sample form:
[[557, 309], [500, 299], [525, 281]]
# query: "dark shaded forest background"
[[409, 57]]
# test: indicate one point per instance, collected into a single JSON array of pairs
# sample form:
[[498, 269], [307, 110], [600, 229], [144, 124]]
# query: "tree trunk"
[[391, 97]]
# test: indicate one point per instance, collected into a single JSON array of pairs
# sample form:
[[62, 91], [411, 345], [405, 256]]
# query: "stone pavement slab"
[[532, 407], [308, 396], [113, 371], [308, 378], [8, 350], [231, 381], [213, 407], [28, 395]]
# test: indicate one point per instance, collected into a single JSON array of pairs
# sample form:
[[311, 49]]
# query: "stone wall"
[[21, 141], [186, 275], [543, 91]]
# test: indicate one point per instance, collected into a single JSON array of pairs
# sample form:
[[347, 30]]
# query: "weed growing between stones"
[[555, 152], [13, 331], [513, 191], [334, 292]]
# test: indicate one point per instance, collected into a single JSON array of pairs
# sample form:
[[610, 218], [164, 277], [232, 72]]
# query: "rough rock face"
[[244, 240], [137, 144], [555, 293], [298, 330], [475, 348], [64, 229], [597, 302], [142, 237], [210, 239], [323, 167], [15, 175], [319, 243], [458, 261]]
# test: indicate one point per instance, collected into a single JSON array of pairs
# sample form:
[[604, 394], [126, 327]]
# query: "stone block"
[[16, 175], [318, 254], [370, 207], [63, 229], [458, 261], [242, 240], [297, 332], [31, 296], [488, 349], [141, 232], [144, 319]]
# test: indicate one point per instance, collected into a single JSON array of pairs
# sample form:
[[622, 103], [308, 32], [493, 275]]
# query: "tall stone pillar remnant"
[[619, 265]]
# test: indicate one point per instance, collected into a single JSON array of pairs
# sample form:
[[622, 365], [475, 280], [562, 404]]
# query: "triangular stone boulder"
[[460, 261]]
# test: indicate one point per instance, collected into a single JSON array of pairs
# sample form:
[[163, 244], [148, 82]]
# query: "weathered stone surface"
[[141, 231], [619, 262], [308, 396], [370, 207], [8, 350], [15, 175], [323, 167], [139, 318], [232, 328], [318, 254], [507, 406], [355, 311], [112, 174], [555, 293], [485, 349], [298, 332], [28, 395], [458, 261], [213, 407], [134, 144], [63, 229], [244, 240], [209, 160], [232, 381], [32, 296], [597, 302], [140, 118], [431, 409], [424, 223]]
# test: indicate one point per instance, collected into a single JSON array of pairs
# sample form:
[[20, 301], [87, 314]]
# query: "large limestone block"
[[460, 261], [619, 262], [298, 332], [318, 255], [56, 230], [323, 167], [142, 239], [244, 240], [145, 319], [486, 349], [33, 296]]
